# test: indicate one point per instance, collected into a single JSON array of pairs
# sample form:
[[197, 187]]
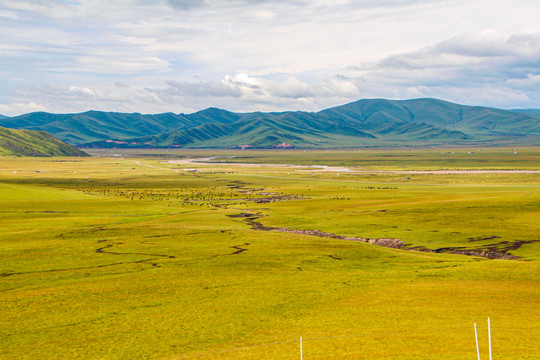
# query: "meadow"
[[142, 254]]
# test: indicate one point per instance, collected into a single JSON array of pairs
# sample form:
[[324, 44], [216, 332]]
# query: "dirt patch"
[[505, 246], [242, 215], [485, 253], [389, 243], [481, 238]]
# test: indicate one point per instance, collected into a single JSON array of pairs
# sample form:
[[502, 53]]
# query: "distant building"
[[243, 147], [284, 145]]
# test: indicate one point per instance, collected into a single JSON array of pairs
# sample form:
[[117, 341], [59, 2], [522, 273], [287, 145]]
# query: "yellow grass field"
[[154, 256]]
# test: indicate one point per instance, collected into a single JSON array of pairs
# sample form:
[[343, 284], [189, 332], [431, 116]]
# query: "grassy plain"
[[131, 257]]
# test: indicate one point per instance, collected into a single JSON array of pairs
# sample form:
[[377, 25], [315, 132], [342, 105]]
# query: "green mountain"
[[527, 111], [95, 125], [447, 120], [34, 143], [368, 122], [3, 116]]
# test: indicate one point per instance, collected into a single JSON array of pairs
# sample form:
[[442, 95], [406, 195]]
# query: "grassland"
[[34, 143], [132, 257]]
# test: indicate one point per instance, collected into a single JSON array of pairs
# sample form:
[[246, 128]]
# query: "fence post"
[[489, 337], [476, 337], [301, 352]]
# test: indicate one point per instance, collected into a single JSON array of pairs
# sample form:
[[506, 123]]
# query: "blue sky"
[[154, 56]]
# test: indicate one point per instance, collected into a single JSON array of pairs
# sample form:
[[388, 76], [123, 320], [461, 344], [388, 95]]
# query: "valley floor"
[[157, 257]]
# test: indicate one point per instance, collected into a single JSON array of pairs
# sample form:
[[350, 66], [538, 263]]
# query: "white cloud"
[[490, 68], [8, 14], [82, 91], [118, 64], [17, 108], [174, 55]]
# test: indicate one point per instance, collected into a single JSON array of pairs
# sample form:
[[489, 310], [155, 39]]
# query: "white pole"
[[301, 353], [489, 337], [476, 337]]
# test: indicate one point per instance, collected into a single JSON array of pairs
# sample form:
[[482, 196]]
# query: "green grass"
[[33, 143], [103, 258], [365, 159]]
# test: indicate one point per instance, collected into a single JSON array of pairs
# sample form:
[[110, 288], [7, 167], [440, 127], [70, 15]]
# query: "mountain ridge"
[[366, 122]]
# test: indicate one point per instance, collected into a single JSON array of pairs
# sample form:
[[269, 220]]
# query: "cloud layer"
[[244, 55]]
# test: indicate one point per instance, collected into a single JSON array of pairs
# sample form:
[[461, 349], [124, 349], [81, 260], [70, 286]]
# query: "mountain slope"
[[368, 122], [94, 125], [527, 111], [260, 130], [34, 143], [456, 121]]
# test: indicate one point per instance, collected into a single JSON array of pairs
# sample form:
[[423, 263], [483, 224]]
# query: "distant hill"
[[438, 119], [34, 143], [368, 122], [95, 125], [527, 111], [3, 116]]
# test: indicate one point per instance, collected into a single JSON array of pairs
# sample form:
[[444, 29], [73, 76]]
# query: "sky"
[[181, 56]]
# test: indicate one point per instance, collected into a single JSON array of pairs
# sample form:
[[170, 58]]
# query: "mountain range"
[[368, 122]]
